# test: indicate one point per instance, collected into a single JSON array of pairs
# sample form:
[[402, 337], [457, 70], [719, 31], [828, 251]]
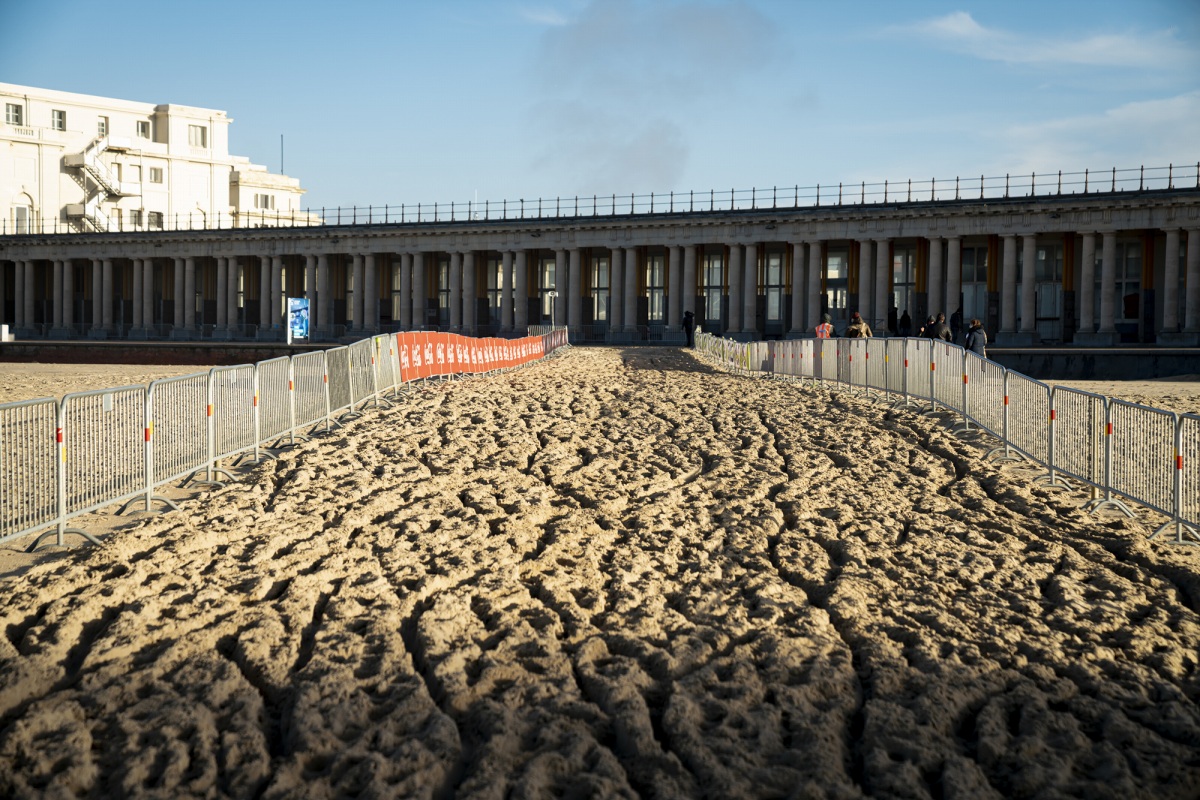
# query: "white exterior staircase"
[[106, 185]]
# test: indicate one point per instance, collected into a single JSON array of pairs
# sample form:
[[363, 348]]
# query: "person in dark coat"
[[926, 331], [956, 325], [977, 339], [941, 330], [905, 324], [689, 327]]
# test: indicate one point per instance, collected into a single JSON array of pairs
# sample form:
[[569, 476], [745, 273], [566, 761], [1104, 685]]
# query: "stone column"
[[139, 296], [1029, 286], [1170, 316], [360, 293], [750, 291], [418, 291], [736, 286], [370, 293], [149, 300], [933, 280], [815, 270], [406, 303], [521, 292], [1008, 286], [675, 288], [1108, 283], [562, 285], [616, 300], [630, 290], [68, 296], [468, 293], [310, 294], [222, 294], [189, 292], [56, 295], [276, 308], [264, 293], [106, 309], [456, 292], [797, 329], [866, 284], [1087, 285], [688, 290], [883, 284], [19, 294], [954, 277], [506, 291], [575, 304], [4, 295], [98, 294], [1191, 309], [233, 268], [324, 295]]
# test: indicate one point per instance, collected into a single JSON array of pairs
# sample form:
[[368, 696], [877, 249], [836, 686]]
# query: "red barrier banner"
[[404, 343]]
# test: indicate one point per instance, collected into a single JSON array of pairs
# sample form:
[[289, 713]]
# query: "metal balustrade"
[[1122, 451], [61, 459]]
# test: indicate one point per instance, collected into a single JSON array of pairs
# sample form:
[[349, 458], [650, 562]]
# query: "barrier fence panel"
[[362, 371], [1188, 467], [825, 361], [946, 372], [28, 471], [274, 378], [876, 364], [1029, 417], [231, 410], [1077, 435], [104, 447], [1144, 462], [984, 387], [178, 427], [337, 365], [895, 370], [386, 367], [919, 355], [308, 376]]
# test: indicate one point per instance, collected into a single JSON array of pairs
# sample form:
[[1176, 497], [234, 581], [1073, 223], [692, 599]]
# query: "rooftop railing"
[[862, 193]]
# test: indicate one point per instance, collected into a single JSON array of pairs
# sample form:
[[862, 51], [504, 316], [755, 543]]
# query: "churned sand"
[[616, 573]]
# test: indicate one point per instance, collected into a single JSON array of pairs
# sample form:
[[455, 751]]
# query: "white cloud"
[[961, 33], [1147, 132], [544, 16]]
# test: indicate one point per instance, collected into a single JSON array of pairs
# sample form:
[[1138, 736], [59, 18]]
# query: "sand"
[[616, 573]]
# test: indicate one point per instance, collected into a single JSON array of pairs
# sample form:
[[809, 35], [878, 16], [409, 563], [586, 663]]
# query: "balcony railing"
[[862, 193]]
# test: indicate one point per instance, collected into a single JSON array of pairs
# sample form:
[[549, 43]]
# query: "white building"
[[78, 163]]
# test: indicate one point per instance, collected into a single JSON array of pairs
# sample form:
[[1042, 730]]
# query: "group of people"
[[934, 328], [975, 339]]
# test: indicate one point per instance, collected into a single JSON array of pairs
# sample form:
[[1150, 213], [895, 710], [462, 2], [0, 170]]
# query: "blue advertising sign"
[[297, 318]]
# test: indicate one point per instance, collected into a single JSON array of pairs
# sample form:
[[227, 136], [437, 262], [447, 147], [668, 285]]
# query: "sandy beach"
[[615, 573]]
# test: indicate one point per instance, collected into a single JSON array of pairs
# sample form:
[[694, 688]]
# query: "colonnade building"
[[1092, 268]]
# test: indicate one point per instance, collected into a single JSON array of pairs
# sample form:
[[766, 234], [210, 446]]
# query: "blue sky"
[[398, 101]]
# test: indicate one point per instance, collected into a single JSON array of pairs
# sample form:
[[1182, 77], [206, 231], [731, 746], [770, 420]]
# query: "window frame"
[[58, 119], [14, 114]]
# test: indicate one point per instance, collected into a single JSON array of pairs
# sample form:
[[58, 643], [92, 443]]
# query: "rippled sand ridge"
[[617, 573]]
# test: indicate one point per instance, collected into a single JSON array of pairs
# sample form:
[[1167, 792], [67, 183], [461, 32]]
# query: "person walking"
[[905, 324], [689, 327], [941, 330], [858, 329], [977, 340], [955, 325], [825, 329]]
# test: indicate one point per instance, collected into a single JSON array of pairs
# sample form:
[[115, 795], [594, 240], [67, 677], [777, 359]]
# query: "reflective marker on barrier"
[[1005, 399], [256, 399], [209, 410], [58, 435], [1108, 429], [147, 434], [1052, 415], [1178, 461], [291, 385], [964, 379]]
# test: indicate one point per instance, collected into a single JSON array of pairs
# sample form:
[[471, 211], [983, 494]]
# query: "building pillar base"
[[1018, 339], [1178, 339], [139, 333], [60, 333], [97, 333], [1098, 339], [182, 334], [222, 334]]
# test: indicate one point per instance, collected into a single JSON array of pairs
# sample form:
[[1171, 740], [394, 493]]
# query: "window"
[[21, 219], [58, 120], [655, 275], [1048, 277], [197, 136], [974, 283], [837, 285], [1129, 281], [713, 274], [264, 201], [13, 114], [546, 285], [102, 126], [904, 280], [443, 290], [143, 129], [156, 175], [773, 285], [135, 217], [495, 277], [600, 288], [154, 220]]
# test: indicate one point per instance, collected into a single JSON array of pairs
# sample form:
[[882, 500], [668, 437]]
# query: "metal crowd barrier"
[[1122, 451], [60, 459]]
